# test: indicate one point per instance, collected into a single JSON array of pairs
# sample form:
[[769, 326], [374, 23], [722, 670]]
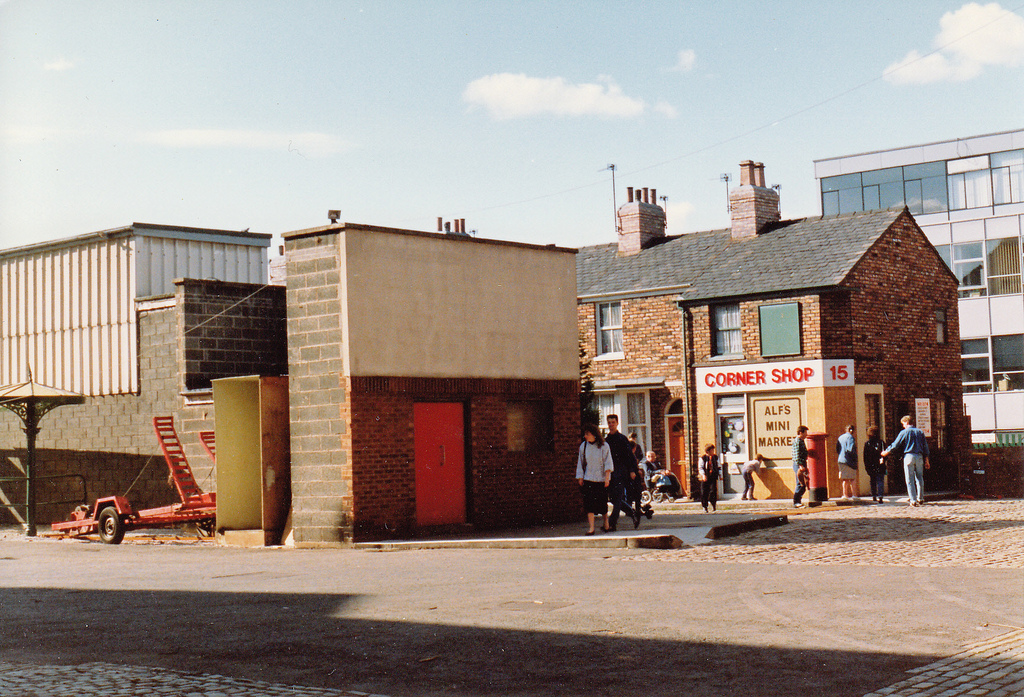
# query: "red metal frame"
[[195, 507]]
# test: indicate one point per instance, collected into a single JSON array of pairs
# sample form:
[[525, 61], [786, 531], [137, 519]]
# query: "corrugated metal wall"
[[69, 313], [160, 260]]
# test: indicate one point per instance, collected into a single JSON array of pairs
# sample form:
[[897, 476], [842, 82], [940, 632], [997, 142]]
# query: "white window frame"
[[603, 351], [735, 333], [617, 402]]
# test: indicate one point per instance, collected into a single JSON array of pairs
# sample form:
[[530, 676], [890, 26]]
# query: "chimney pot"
[[629, 193], [645, 195], [462, 225], [654, 196], [440, 224], [447, 227], [759, 174], [747, 173]]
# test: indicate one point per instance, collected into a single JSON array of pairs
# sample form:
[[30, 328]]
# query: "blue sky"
[[263, 115]]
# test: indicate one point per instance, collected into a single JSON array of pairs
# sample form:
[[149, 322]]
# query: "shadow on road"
[[303, 639]]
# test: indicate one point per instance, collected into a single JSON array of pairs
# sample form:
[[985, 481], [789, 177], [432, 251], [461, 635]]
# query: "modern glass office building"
[[968, 197]]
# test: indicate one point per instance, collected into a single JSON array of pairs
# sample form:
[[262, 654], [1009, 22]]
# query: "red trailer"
[[112, 516]]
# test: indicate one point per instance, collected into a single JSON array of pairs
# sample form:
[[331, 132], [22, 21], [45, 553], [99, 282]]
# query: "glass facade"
[[967, 195], [932, 187]]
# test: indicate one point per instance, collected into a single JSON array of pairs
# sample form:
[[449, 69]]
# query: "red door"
[[440, 463], [677, 446]]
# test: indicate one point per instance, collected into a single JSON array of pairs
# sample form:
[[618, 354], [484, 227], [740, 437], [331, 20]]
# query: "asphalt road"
[[495, 622]]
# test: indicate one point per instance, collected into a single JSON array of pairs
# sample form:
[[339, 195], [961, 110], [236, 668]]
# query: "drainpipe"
[[687, 411]]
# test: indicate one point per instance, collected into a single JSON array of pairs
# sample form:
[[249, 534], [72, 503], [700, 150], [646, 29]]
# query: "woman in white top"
[[594, 474]]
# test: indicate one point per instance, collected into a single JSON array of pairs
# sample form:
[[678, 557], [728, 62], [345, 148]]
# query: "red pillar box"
[[818, 474]]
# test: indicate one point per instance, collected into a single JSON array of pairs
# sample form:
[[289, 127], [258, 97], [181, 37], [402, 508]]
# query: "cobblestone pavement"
[[946, 533], [993, 668], [111, 680]]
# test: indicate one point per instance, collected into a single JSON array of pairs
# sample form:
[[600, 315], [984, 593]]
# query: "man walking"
[[915, 459], [800, 466], [624, 470]]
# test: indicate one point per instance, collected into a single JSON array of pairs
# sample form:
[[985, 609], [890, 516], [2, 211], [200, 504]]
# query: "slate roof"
[[790, 255]]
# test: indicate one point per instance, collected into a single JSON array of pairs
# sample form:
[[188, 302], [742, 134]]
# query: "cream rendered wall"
[[430, 305]]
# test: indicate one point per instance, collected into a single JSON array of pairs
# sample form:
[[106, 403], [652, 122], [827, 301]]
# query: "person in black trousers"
[[708, 472], [624, 471]]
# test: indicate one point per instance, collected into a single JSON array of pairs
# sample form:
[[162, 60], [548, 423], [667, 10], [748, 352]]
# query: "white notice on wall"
[[923, 415]]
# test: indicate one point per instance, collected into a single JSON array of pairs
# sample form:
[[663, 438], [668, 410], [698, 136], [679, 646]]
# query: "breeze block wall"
[[109, 441], [320, 412]]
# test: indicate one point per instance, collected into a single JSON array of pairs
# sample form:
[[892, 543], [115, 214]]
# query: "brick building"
[[108, 315], [737, 336], [433, 382]]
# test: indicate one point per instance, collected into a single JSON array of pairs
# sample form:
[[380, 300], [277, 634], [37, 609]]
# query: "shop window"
[[1008, 362], [974, 358], [940, 326], [530, 425], [969, 268], [780, 329], [1003, 257], [609, 328], [727, 339]]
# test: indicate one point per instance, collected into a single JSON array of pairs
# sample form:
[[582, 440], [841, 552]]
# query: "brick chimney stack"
[[753, 204], [641, 221]]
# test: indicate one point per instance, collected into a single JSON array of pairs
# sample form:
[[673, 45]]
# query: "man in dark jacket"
[[624, 471]]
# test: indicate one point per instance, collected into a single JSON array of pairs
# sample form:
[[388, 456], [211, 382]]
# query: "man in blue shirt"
[[915, 459], [846, 449]]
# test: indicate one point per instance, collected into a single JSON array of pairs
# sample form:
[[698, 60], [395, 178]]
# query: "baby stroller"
[[664, 486]]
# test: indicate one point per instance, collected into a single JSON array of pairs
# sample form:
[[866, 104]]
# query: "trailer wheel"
[[111, 526]]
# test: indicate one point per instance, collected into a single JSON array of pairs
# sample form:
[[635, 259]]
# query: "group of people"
[[911, 442], [614, 468]]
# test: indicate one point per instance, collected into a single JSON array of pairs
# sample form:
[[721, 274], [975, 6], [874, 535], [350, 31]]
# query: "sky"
[[264, 115]]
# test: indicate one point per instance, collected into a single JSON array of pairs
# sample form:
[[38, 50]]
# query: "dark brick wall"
[[320, 441], [110, 440], [231, 329], [994, 473], [504, 488]]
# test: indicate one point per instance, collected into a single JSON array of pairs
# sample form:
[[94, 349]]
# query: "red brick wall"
[[894, 292], [503, 488], [651, 338]]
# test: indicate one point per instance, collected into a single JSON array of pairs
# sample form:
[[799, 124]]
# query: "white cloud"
[[969, 39], [28, 135], [685, 61], [307, 144], [509, 96], [58, 64], [676, 215], [666, 109]]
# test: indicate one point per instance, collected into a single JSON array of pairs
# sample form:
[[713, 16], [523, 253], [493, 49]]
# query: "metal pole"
[[31, 429]]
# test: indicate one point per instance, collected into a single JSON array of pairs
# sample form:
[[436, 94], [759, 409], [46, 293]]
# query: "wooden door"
[[677, 447], [439, 438]]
